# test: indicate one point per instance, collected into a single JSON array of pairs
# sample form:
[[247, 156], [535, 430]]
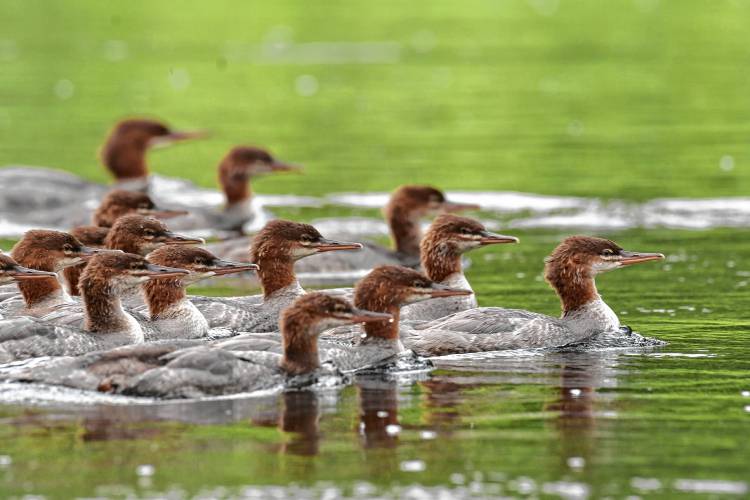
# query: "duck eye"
[[67, 248], [148, 233], [136, 265], [608, 252], [306, 238]]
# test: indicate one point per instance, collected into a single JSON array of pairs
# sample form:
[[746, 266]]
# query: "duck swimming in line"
[[181, 369], [114, 205], [168, 313], [12, 272], [237, 169], [57, 199], [50, 251], [276, 249], [406, 208], [447, 239], [103, 324], [570, 270], [138, 234]]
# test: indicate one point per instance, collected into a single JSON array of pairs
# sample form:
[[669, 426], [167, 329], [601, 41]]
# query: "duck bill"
[[365, 316], [325, 245], [171, 238], [489, 238], [452, 207], [439, 290], [20, 273], [162, 214], [630, 258], [177, 136], [280, 166], [87, 253], [224, 267], [153, 271]]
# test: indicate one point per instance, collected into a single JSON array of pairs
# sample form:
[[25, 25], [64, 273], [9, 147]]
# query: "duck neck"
[[237, 193], [441, 261], [163, 295], [275, 273], [377, 331], [405, 231], [300, 338], [72, 275], [127, 161], [103, 310], [42, 290], [575, 287]]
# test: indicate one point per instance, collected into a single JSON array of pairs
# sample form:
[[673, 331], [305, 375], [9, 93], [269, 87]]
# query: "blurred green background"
[[626, 98]]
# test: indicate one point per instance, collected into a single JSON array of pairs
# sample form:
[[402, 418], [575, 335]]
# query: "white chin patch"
[[466, 244], [416, 297], [150, 247], [605, 265], [300, 251], [195, 277]]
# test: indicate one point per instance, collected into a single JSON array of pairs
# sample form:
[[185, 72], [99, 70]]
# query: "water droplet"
[[745, 394], [306, 85], [747, 409], [5, 461], [145, 470], [576, 462], [64, 89], [457, 478], [115, 50], [427, 435], [726, 163], [382, 414], [575, 392], [412, 466], [393, 429], [179, 78]]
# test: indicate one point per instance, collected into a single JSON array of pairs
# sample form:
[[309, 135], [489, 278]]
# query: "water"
[[626, 120]]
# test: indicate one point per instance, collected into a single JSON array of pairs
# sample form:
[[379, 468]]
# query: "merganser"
[[170, 314], [114, 205], [386, 289], [102, 325], [124, 151], [406, 208], [53, 198], [131, 233], [241, 165], [446, 240], [170, 370], [275, 249], [12, 272], [50, 251], [570, 270]]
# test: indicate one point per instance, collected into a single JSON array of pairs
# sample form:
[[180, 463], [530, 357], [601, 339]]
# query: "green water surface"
[[622, 99]]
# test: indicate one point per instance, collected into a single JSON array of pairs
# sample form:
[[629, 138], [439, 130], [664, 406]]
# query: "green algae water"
[[626, 99]]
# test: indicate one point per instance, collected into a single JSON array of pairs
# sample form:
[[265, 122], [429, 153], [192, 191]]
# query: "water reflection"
[[378, 425]]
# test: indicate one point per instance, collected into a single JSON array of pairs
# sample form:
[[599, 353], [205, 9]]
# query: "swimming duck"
[[169, 313], [241, 165], [276, 249], [45, 197], [446, 240], [170, 370], [103, 324], [50, 251], [12, 272], [406, 208], [570, 270]]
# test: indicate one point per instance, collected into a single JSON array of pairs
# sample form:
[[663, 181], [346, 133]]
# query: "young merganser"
[[170, 370], [55, 198], [12, 272], [115, 204], [102, 325], [386, 289], [406, 208], [570, 270], [240, 166], [131, 233], [447, 239], [170, 314], [275, 249], [50, 251]]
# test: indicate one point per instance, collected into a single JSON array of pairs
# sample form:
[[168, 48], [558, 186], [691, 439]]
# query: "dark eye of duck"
[[148, 233], [466, 230], [608, 252], [306, 238], [67, 248], [144, 206], [198, 261], [136, 266], [340, 308]]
